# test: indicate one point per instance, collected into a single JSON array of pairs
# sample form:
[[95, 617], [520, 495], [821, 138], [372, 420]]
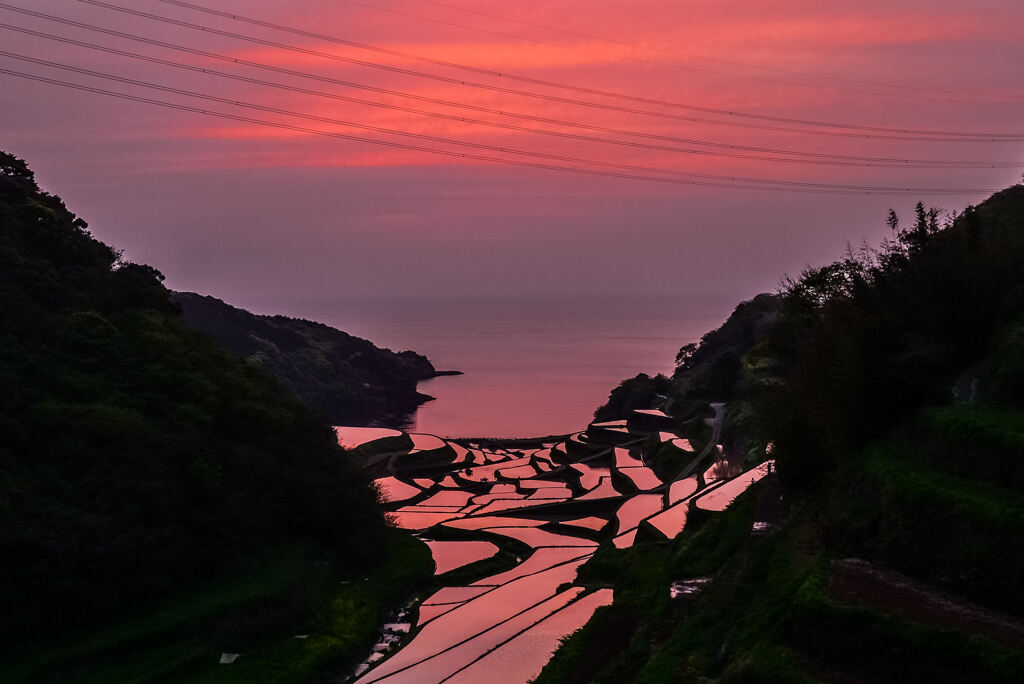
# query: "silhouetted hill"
[[705, 371], [887, 387], [348, 379], [149, 476]]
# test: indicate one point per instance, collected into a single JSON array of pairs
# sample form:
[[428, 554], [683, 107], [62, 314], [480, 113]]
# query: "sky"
[[265, 215]]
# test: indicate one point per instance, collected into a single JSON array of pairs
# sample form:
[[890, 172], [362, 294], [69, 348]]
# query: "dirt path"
[[857, 581]]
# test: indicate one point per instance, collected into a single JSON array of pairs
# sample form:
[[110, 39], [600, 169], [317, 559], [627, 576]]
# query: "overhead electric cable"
[[846, 161], [128, 36], [676, 53], [726, 181], [450, 103], [855, 130], [435, 138], [947, 95]]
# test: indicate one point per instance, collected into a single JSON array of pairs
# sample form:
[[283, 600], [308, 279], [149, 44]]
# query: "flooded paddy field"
[[509, 524]]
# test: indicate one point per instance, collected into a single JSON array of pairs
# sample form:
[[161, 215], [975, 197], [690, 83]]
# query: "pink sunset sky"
[[262, 215]]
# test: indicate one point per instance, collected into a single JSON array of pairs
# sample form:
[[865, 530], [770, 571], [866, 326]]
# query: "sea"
[[531, 366]]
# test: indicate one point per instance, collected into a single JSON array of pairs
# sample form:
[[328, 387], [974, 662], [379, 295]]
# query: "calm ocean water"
[[532, 367]]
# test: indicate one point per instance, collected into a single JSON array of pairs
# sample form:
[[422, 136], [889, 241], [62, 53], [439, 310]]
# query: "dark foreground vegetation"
[[890, 388], [348, 379], [161, 501]]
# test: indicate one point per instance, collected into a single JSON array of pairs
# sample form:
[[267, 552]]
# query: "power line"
[[726, 182], [432, 100], [347, 60], [731, 62], [440, 139], [949, 95], [932, 135], [386, 143], [850, 161]]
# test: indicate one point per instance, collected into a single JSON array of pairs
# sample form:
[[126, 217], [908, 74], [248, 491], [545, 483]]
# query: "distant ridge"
[[349, 379]]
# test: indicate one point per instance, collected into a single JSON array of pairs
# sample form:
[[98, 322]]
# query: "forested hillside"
[[346, 378], [887, 386], [145, 469]]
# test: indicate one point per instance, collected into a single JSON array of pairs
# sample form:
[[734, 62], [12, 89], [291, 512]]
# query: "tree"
[[686, 353], [893, 222]]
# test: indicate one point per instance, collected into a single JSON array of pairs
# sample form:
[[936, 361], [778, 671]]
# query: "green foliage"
[[292, 590], [635, 393], [346, 378], [864, 342], [879, 459], [137, 458]]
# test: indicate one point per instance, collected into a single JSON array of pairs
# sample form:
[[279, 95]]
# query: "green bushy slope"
[[138, 460], [889, 388]]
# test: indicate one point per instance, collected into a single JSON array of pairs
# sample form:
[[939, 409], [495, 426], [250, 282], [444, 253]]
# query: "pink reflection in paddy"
[[591, 523], [426, 442], [449, 595], [393, 489], [680, 489], [721, 470], [541, 559], [643, 477], [460, 658], [636, 509], [521, 472], [624, 459], [352, 437], [449, 555], [480, 522], [720, 498], [683, 444], [509, 504], [604, 490], [624, 541], [412, 520], [551, 493], [590, 476], [453, 640], [487, 473], [535, 537], [448, 498], [652, 412], [461, 452], [522, 658], [610, 424], [428, 613], [488, 498], [539, 484], [543, 454], [672, 520]]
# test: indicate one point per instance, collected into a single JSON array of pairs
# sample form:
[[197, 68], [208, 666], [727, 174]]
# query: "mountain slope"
[[346, 378], [887, 546], [143, 468]]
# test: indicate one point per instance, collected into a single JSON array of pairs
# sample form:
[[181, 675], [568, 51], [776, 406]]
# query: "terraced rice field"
[[551, 506]]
